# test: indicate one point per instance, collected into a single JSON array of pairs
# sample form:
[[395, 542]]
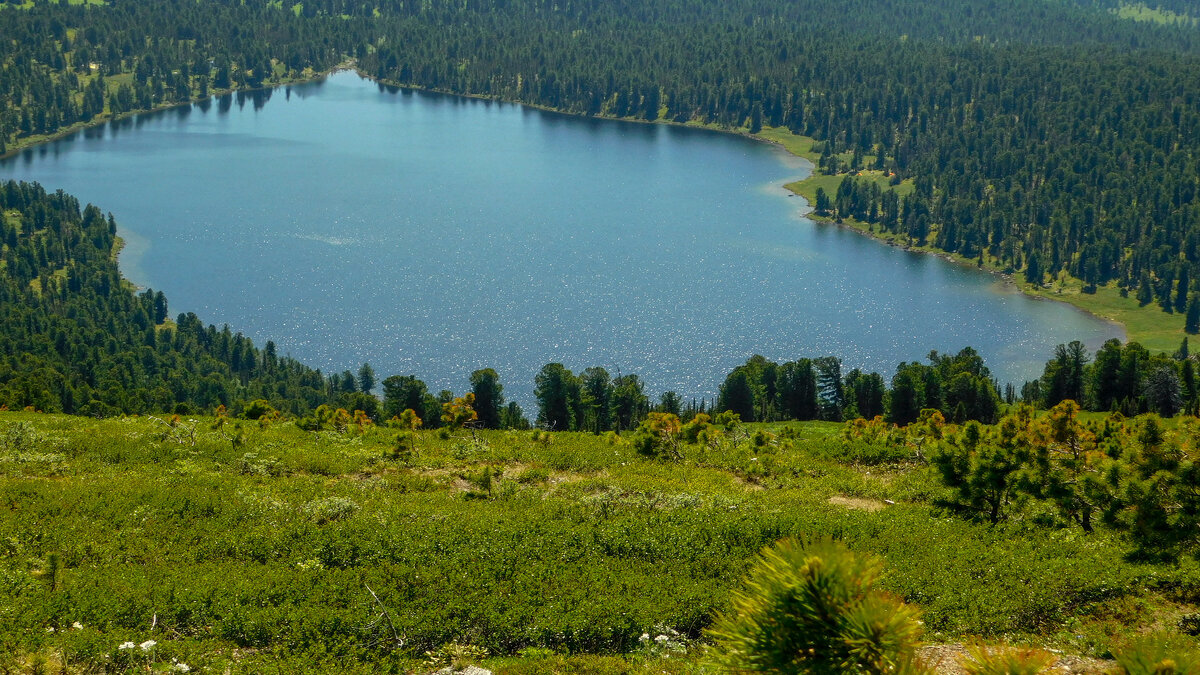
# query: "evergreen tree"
[[486, 387], [1181, 289], [366, 378], [829, 387], [1033, 270], [904, 403], [596, 389], [822, 205], [630, 404], [1145, 294], [736, 395], [553, 390]]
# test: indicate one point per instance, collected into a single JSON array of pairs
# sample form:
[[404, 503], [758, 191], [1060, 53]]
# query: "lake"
[[434, 235]]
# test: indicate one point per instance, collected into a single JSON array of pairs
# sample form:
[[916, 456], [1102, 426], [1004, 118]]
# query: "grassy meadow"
[[264, 548]]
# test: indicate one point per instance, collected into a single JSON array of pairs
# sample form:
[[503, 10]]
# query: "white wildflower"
[[127, 645], [644, 638], [147, 645], [183, 667], [661, 639], [77, 626]]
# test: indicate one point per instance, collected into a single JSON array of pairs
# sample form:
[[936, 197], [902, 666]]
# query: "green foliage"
[[258, 409], [983, 473], [454, 656], [325, 417], [658, 435], [695, 428], [1153, 487], [330, 509], [1136, 476], [1158, 654], [1002, 660], [489, 401], [728, 420], [406, 392], [86, 344], [459, 412], [815, 609], [582, 547], [18, 437]]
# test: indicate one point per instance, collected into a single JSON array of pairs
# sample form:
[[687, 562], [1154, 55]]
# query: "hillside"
[[78, 339], [241, 546]]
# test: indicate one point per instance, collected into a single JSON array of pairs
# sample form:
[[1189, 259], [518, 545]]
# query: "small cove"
[[433, 235]]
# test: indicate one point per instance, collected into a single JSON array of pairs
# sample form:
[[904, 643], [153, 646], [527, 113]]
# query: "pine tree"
[[1191, 323], [1033, 270], [1145, 294], [366, 378], [822, 202], [1181, 290]]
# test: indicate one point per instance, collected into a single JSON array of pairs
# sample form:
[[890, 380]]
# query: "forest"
[[1045, 138]]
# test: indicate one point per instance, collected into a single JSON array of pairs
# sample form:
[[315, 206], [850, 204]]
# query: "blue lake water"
[[435, 235]]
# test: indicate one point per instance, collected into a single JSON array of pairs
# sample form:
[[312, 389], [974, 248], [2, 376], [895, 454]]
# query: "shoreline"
[[1006, 279], [1135, 323], [1156, 330], [30, 142]]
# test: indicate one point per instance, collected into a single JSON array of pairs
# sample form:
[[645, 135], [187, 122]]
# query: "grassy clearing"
[[1153, 328], [252, 551], [807, 188], [1140, 12], [801, 146]]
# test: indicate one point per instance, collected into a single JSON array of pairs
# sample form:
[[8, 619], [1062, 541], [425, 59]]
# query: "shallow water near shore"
[[434, 235]]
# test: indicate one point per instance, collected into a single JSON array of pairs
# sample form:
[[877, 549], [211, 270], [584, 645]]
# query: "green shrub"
[[18, 437], [331, 509], [814, 609], [533, 475], [258, 409], [1158, 655], [1001, 660]]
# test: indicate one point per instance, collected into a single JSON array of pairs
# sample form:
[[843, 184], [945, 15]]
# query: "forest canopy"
[[1051, 138]]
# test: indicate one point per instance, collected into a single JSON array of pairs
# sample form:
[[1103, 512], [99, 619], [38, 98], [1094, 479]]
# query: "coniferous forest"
[[175, 498], [1050, 137]]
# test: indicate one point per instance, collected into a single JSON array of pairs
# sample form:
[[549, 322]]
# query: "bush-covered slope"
[[260, 546]]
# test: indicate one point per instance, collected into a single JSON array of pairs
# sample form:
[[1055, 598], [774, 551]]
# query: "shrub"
[[984, 660], [18, 437], [697, 425], [1158, 655], [258, 409], [330, 509], [814, 609], [658, 436]]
